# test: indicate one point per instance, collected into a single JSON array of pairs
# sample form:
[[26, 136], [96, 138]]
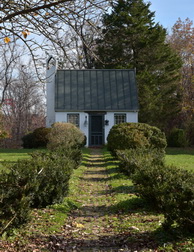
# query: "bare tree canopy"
[[43, 23]]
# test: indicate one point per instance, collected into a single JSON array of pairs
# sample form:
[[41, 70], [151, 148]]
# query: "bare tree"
[[10, 54], [40, 24], [23, 108], [23, 98], [182, 40], [77, 45]]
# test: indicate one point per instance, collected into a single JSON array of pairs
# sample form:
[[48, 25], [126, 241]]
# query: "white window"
[[120, 118], [73, 118]]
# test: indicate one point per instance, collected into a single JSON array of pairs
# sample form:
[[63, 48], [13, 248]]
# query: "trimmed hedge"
[[133, 159], [135, 136], [66, 135], [53, 177], [37, 182], [42, 180], [17, 188], [166, 188], [170, 190]]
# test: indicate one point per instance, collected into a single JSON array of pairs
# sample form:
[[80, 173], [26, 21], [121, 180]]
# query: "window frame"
[[124, 115], [76, 117]]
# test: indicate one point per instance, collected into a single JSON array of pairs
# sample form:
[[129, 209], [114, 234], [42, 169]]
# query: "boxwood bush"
[[54, 170], [36, 139], [17, 188], [133, 159], [169, 190], [135, 136], [37, 182], [28, 141], [66, 135]]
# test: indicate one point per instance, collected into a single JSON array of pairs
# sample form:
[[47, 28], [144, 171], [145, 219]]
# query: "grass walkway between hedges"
[[105, 215]]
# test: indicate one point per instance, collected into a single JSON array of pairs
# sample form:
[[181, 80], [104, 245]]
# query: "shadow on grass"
[[180, 151], [90, 172], [129, 206], [95, 179], [120, 189], [133, 205], [159, 240], [124, 189], [109, 243]]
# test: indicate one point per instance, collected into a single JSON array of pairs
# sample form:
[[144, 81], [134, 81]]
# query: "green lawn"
[[181, 157], [12, 155]]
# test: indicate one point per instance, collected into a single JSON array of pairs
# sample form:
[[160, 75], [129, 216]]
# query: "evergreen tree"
[[131, 39]]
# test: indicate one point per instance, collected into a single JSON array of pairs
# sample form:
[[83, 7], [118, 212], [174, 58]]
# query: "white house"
[[92, 99]]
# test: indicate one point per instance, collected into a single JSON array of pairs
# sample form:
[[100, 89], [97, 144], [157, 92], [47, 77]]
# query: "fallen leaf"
[[79, 225]]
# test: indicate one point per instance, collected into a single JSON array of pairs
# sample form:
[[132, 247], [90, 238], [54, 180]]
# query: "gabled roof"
[[96, 90]]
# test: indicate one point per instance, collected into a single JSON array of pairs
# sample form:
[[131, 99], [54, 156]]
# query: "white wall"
[[62, 117]]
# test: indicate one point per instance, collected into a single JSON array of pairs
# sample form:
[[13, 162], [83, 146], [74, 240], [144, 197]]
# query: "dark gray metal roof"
[[96, 90]]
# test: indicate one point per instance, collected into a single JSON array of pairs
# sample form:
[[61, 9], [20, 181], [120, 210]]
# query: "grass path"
[[95, 226], [86, 228]]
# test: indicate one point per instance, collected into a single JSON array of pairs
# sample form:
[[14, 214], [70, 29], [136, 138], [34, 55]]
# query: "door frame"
[[102, 114]]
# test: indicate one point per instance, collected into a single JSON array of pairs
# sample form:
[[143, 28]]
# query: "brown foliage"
[[182, 40]]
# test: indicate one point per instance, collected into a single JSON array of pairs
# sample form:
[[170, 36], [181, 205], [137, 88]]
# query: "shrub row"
[[140, 149], [133, 159], [167, 189], [40, 181]]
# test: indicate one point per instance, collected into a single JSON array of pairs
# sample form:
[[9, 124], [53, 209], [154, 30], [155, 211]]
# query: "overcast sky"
[[167, 12]]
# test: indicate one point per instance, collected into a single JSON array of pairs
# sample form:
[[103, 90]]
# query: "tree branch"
[[31, 10]]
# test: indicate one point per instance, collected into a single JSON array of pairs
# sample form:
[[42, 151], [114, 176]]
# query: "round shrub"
[[41, 137], [36, 139], [177, 138], [66, 135], [28, 141], [134, 136]]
